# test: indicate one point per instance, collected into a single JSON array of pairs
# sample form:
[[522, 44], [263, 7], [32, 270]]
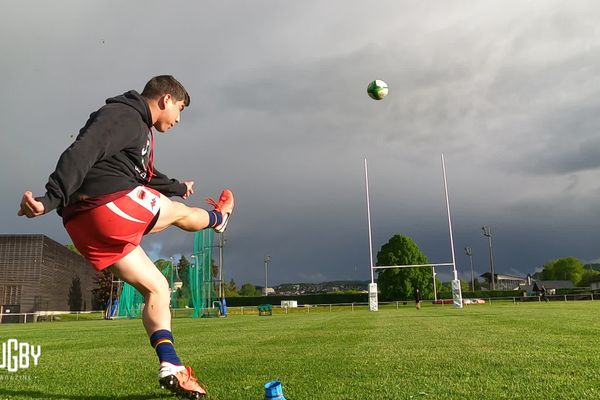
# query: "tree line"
[[400, 283], [393, 284]]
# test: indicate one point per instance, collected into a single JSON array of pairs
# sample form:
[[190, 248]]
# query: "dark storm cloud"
[[507, 91], [572, 140]]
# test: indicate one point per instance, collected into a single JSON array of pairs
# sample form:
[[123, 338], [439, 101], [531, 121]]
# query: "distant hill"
[[595, 267], [322, 287], [358, 283]]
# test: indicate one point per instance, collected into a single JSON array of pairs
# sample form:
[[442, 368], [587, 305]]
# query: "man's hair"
[[166, 84]]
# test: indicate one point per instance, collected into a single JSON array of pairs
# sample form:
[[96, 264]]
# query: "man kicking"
[[109, 194]]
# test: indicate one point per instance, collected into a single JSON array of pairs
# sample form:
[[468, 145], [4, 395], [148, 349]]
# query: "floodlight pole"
[[173, 306], [110, 300], [469, 253], [267, 261], [487, 231]]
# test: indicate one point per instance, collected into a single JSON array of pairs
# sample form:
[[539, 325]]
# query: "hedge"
[[338, 298], [323, 298]]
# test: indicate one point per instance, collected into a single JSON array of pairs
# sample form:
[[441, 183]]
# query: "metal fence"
[[55, 316]]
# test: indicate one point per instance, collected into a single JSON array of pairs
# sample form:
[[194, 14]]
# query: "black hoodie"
[[112, 153]]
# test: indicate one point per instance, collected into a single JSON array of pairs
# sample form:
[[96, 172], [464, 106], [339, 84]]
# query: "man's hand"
[[190, 189], [30, 207]]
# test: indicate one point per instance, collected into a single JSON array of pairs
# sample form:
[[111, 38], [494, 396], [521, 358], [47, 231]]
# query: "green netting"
[[130, 302], [199, 279]]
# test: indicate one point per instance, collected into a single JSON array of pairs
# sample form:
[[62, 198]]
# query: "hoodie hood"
[[134, 100]]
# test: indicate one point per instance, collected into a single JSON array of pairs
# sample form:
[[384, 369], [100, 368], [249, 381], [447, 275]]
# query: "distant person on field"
[[418, 298], [109, 194], [543, 293]]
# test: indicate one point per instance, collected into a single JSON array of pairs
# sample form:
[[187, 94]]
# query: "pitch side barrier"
[[61, 316], [50, 316], [400, 304]]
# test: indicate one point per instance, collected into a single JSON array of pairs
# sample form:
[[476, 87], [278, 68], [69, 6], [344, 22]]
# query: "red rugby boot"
[[181, 381], [224, 206]]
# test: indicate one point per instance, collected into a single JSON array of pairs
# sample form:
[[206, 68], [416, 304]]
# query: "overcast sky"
[[507, 90]]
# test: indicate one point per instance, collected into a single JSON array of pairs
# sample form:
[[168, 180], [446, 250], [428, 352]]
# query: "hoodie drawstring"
[[151, 157]]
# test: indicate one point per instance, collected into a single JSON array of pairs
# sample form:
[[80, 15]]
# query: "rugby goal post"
[[456, 291]]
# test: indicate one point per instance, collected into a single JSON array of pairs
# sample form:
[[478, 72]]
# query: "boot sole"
[[171, 384]]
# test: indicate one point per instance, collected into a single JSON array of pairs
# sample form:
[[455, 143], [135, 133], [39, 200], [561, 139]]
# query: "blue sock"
[[215, 218], [162, 341]]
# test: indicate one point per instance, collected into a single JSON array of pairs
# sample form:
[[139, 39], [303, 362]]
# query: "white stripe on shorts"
[[113, 207]]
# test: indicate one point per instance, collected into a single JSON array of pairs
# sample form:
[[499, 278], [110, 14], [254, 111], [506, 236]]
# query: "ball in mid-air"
[[377, 89]]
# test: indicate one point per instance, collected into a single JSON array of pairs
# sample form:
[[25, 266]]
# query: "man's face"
[[170, 113]]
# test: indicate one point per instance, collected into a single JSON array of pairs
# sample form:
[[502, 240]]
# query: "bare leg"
[[174, 213], [140, 272]]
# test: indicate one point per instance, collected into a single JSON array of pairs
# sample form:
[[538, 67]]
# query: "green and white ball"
[[377, 89]]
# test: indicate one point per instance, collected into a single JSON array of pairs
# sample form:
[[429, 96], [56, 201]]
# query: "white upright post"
[[373, 301], [434, 284], [456, 292]]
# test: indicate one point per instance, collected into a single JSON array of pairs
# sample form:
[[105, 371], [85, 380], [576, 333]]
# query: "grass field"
[[499, 351]]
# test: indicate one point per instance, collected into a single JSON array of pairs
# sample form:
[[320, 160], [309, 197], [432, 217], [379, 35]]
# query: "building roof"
[[504, 277], [595, 279], [562, 284], [536, 284], [507, 277]]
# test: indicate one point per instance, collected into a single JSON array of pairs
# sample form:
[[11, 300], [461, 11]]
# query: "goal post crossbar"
[[414, 266]]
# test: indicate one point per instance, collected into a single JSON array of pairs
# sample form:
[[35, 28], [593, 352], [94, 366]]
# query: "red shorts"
[[107, 233]]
